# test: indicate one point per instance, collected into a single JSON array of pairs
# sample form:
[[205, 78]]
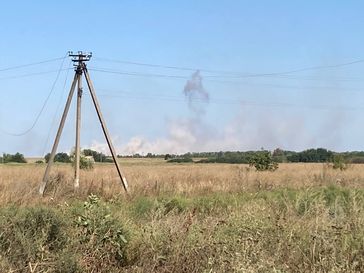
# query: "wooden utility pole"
[[58, 136], [79, 59], [78, 127], [104, 129]]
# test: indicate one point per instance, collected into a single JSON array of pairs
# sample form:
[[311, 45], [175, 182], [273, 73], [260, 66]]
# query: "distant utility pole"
[[79, 59]]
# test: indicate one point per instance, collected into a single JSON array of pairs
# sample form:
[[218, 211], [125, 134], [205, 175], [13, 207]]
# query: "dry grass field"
[[183, 218], [153, 177]]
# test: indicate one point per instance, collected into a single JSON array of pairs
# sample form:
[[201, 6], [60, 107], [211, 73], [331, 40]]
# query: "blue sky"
[[314, 108]]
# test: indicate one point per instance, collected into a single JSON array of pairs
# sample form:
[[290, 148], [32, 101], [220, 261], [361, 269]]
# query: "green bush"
[[59, 157], [357, 160], [86, 238], [108, 160], [16, 158], [31, 236], [339, 163], [98, 157], [180, 160], [101, 237], [86, 164], [263, 161]]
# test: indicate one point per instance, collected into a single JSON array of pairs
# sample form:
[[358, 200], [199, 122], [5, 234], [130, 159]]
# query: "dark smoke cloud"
[[196, 93]]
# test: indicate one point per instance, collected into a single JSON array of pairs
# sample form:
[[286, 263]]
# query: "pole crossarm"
[[79, 60]]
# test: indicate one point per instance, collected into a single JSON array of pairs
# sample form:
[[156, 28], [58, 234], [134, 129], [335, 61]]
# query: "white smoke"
[[182, 136], [248, 130]]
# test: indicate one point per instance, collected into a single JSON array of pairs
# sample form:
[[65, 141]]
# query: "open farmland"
[[154, 177], [183, 218]]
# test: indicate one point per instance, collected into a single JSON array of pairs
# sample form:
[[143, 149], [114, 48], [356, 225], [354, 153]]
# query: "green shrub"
[[339, 163], [143, 206], [98, 157], [30, 236], [100, 236], [177, 204], [59, 157], [263, 161], [357, 160], [108, 160], [86, 164], [180, 160], [16, 158]]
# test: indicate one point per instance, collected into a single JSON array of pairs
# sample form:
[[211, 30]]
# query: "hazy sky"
[[147, 113]]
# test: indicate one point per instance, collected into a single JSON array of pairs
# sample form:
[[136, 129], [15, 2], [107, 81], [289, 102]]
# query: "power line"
[[32, 74], [318, 67], [42, 108], [289, 77], [236, 101], [106, 70], [165, 66], [57, 108], [30, 64], [137, 74], [234, 73], [212, 78]]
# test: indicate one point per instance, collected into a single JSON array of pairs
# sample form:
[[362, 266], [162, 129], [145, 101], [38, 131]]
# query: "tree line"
[[59, 157], [316, 155], [238, 157]]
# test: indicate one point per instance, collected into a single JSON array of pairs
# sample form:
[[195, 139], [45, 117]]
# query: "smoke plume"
[[195, 93]]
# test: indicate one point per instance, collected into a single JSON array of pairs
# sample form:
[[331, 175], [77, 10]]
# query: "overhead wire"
[[42, 108], [211, 78], [239, 102], [164, 66], [57, 108], [137, 74], [30, 64], [220, 74], [233, 73], [236, 101], [129, 73], [33, 74]]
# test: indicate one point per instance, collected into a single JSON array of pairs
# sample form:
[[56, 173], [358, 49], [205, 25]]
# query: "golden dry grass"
[[188, 218], [19, 182]]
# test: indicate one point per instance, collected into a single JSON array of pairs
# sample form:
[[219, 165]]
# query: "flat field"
[[183, 218]]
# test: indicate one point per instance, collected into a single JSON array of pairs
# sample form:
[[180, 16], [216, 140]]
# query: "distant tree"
[[109, 159], [167, 156], [315, 155], [180, 160], [17, 158], [62, 157], [59, 157], [263, 161], [357, 160], [98, 157], [293, 157], [279, 156]]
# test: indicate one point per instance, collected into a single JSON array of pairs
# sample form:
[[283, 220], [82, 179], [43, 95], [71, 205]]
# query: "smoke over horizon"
[[249, 129]]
